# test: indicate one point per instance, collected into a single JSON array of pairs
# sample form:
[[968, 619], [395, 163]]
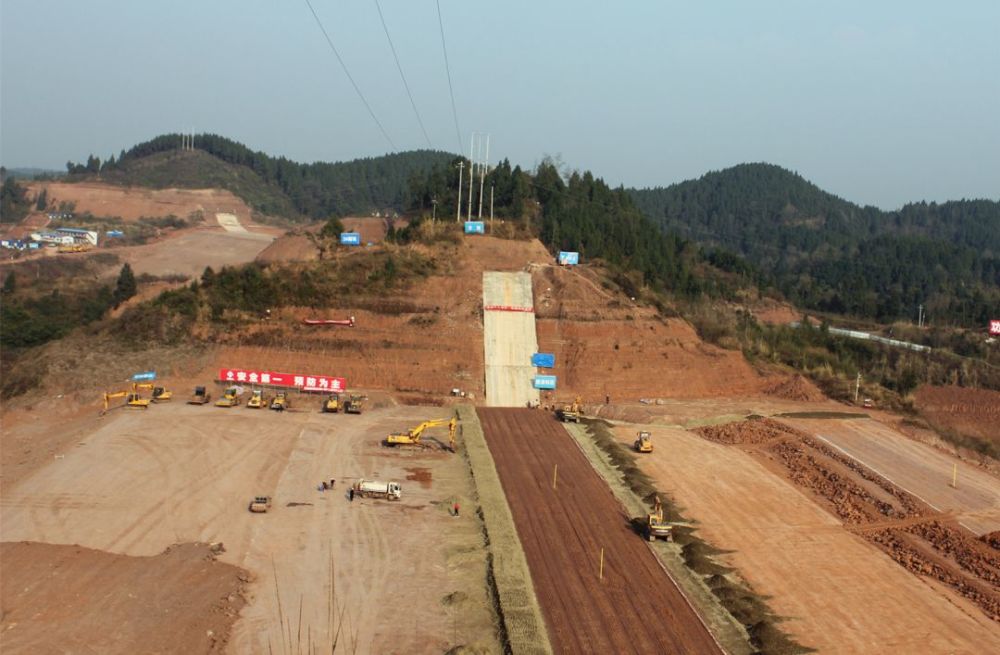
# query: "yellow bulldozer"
[[656, 527], [231, 398], [413, 435], [158, 394], [643, 442]]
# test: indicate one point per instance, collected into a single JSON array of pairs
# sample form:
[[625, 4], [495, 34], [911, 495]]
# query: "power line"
[[399, 67], [451, 91], [349, 77]]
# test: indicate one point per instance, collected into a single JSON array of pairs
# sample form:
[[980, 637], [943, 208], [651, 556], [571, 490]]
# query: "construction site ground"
[[802, 543], [140, 481], [565, 518], [921, 470]]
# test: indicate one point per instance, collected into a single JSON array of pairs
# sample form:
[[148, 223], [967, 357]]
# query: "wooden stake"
[[601, 572], [555, 475], [954, 476]]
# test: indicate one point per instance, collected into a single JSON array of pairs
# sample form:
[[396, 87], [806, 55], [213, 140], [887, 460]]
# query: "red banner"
[[507, 308], [994, 327], [303, 382]]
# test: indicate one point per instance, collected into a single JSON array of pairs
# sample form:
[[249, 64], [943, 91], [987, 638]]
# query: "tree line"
[[826, 253], [318, 190]]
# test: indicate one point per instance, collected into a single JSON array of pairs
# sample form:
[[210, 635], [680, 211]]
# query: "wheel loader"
[[643, 442], [570, 413]]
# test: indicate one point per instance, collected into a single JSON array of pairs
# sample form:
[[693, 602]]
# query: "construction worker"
[[351, 494], [454, 509]]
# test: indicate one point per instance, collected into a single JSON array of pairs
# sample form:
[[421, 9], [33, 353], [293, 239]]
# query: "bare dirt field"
[[918, 468], [188, 252], [178, 473], [975, 412], [62, 599], [132, 203], [839, 593], [636, 608]]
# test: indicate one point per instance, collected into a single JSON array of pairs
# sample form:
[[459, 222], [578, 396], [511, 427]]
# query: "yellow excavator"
[[230, 398], [570, 413], [643, 442], [132, 399], [412, 437], [656, 527], [159, 394]]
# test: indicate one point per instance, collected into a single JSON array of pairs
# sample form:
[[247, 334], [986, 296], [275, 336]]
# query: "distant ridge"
[[830, 254], [271, 185]]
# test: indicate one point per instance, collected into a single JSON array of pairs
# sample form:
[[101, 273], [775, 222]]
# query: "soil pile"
[[795, 387], [753, 431], [74, 599]]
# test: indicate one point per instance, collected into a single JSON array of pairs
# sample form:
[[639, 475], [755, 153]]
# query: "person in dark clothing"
[[351, 494]]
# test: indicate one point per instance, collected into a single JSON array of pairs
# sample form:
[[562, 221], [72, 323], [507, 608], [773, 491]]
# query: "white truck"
[[377, 489]]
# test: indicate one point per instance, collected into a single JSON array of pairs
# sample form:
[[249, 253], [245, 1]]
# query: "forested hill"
[[274, 185], [826, 253]]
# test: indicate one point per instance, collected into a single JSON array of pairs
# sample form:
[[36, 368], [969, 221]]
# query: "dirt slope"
[[130, 203], [975, 412], [62, 599]]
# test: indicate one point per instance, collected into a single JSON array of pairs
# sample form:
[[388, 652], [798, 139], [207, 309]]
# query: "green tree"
[[126, 286], [42, 201], [333, 229]]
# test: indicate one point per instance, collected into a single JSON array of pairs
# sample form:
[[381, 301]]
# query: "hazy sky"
[[879, 102]]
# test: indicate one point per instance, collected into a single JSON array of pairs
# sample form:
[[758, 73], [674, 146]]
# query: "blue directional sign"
[[350, 239], [544, 382], [567, 258], [543, 360], [147, 375], [475, 227]]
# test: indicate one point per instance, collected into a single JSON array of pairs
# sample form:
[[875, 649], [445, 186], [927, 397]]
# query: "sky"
[[881, 103]]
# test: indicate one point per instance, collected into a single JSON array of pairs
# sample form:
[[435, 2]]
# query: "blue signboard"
[[543, 360], [568, 258], [350, 239], [475, 227], [148, 375], [544, 382]]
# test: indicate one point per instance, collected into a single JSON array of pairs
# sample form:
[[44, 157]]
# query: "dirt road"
[[920, 469], [509, 339], [636, 608], [839, 593], [146, 479]]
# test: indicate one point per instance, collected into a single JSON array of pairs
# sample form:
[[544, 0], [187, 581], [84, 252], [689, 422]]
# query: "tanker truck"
[[377, 489]]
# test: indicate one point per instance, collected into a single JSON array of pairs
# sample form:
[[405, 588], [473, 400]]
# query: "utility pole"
[[472, 172], [434, 210], [920, 315], [482, 176], [491, 208], [458, 210], [857, 388]]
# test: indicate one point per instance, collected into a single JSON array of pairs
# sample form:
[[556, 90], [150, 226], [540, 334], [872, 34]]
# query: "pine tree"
[[126, 286]]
